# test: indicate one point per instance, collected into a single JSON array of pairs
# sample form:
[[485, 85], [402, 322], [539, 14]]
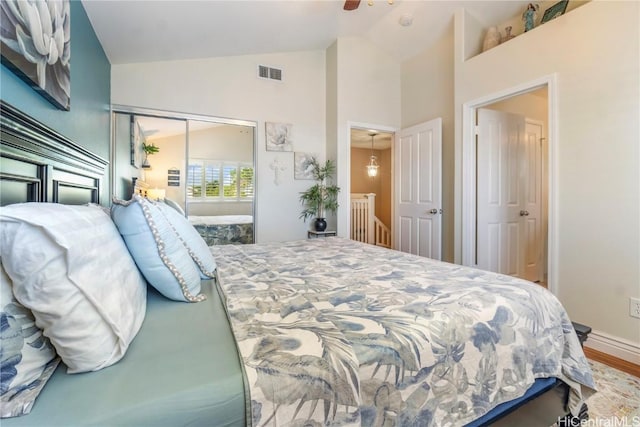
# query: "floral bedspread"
[[335, 332]]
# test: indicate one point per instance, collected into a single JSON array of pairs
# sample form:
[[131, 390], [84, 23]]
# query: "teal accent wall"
[[88, 121]]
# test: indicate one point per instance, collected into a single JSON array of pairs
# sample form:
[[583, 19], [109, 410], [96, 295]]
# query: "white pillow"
[[157, 249], [70, 266], [27, 357]]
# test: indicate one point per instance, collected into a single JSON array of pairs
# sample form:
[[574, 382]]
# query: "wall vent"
[[263, 71], [269, 73], [275, 74]]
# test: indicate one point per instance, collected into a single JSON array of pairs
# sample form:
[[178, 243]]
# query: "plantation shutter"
[[212, 181], [230, 181], [194, 180], [246, 182]]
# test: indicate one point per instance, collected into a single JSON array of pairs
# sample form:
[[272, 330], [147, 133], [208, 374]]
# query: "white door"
[[509, 195], [418, 192], [499, 245], [533, 220]]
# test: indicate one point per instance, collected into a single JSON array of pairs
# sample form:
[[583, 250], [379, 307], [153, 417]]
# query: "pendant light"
[[372, 167]]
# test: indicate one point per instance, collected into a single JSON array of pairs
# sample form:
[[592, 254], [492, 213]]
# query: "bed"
[[346, 333], [224, 229], [317, 332]]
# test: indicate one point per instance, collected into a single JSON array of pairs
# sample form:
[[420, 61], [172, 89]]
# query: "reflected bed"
[[224, 229]]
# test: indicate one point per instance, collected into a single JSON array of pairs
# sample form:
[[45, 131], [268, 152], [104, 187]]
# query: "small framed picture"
[[554, 11], [303, 166], [278, 137]]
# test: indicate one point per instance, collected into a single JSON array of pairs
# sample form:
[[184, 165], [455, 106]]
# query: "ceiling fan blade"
[[351, 4]]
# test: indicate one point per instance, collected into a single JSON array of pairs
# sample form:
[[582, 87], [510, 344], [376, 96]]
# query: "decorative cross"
[[277, 168]]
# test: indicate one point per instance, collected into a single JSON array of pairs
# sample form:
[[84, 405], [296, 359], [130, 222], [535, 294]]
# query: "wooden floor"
[[614, 362]]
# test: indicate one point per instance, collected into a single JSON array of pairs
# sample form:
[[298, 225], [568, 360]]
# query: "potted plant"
[[148, 149], [321, 197]]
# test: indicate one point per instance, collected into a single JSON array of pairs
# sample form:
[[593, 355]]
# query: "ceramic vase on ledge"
[[320, 224], [491, 39]]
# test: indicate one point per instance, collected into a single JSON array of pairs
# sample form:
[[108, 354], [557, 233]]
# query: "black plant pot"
[[320, 224]]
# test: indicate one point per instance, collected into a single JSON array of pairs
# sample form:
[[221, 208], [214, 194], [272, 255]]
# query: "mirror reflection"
[[204, 169], [220, 182]]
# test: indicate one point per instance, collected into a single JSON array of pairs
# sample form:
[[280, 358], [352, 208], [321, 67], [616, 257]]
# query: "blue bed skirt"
[[540, 386]]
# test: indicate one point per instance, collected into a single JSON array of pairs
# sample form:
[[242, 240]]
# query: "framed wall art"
[[135, 144], [303, 167], [46, 67], [278, 136]]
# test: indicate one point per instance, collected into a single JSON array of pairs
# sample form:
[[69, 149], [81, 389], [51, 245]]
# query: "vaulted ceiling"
[[155, 30]]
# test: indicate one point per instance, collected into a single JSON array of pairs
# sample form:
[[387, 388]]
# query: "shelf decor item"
[[554, 11], [507, 34], [529, 16], [491, 39], [321, 197]]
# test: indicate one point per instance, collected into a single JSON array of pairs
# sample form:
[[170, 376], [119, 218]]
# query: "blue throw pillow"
[[157, 249], [174, 205], [195, 244]]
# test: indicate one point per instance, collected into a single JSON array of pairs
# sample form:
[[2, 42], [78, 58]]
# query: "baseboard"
[[612, 361], [614, 346]]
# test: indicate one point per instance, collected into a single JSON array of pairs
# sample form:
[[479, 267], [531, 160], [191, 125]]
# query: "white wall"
[[427, 93], [594, 51], [225, 142], [229, 87], [121, 156], [364, 88]]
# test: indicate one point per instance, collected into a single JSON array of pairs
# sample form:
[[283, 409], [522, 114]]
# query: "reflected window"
[[205, 177], [212, 181], [246, 182], [194, 180]]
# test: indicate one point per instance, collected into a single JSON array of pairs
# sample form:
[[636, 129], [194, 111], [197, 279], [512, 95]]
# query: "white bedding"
[[220, 219]]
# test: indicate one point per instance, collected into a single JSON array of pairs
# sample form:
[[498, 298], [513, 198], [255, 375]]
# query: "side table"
[[316, 234]]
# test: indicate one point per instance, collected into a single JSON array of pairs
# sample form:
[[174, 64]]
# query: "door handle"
[[524, 213], [433, 211]]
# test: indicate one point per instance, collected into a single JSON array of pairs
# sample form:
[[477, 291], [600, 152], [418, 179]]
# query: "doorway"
[[510, 174], [510, 187], [371, 186], [345, 168]]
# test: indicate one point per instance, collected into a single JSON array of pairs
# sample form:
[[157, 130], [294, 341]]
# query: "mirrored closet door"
[[202, 166]]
